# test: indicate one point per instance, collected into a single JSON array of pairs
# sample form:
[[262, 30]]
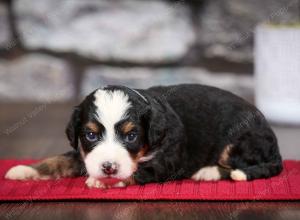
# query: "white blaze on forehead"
[[111, 107]]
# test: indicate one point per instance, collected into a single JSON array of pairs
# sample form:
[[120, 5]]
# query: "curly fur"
[[185, 130]]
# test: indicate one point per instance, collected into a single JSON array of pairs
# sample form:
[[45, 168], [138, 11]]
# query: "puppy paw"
[[207, 174], [91, 182], [238, 175], [22, 172], [119, 185]]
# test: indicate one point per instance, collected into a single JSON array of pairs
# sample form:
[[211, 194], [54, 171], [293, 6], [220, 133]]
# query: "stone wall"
[[54, 50]]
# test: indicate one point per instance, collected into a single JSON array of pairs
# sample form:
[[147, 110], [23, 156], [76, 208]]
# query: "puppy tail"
[[254, 154], [263, 170]]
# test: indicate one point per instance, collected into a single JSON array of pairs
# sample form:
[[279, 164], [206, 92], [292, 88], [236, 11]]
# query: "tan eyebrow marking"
[[93, 127], [127, 126]]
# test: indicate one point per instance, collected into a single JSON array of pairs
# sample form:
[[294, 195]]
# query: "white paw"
[[91, 182], [119, 184], [22, 172], [207, 174], [238, 175]]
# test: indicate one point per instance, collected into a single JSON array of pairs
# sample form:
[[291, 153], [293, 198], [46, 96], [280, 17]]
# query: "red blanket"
[[286, 186]]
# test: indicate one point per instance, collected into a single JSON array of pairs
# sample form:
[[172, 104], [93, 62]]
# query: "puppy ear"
[[166, 138], [72, 130], [164, 125], [156, 123]]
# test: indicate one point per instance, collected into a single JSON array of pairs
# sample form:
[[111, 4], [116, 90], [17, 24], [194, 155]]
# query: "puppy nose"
[[109, 168]]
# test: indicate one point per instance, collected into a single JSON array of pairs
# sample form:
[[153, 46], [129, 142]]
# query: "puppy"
[[162, 134]]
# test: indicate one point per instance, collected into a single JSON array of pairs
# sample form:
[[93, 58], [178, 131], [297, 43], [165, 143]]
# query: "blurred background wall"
[[57, 51]]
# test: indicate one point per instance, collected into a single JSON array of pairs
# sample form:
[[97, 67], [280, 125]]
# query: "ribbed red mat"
[[286, 186]]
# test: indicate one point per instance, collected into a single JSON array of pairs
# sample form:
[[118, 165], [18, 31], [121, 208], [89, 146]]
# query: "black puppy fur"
[[189, 127], [207, 119]]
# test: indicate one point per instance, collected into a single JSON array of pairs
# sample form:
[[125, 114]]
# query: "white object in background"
[[277, 72]]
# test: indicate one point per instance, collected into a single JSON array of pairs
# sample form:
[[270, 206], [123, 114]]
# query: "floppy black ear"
[[166, 139], [164, 125], [72, 130], [156, 124]]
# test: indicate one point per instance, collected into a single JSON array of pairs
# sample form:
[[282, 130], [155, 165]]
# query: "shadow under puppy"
[[162, 134]]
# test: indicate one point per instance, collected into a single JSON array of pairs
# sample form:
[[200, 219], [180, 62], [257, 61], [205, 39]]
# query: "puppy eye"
[[131, 137], [91, 136]]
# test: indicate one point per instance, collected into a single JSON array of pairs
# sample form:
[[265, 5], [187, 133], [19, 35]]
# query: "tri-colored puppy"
[[161, 134]]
